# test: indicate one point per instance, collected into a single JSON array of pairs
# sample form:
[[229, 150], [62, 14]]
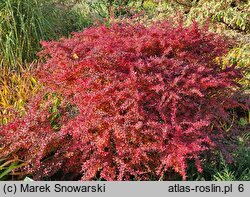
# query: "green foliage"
[[219, 169], [90, 12], [100, 9], [230, 14], [240, 170], [240, 56], [54, 110], [9, 167], [225, 14], [24, 23]]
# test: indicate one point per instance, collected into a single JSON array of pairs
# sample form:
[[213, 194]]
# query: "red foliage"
[[144, 101]]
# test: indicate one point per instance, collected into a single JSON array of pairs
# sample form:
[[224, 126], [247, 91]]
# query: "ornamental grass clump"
[[132, 103]]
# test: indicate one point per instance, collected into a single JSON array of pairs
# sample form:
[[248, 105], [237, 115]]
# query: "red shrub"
[[138, 101]]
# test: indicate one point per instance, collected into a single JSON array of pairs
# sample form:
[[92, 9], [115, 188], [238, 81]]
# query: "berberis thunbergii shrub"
[[129, 102]]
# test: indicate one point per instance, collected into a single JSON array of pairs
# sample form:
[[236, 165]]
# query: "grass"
[[15, 90], [24, 23]]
